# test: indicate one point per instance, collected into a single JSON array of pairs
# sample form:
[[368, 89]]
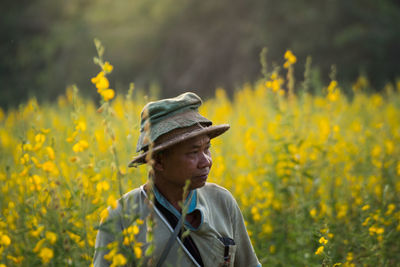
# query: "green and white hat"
[[167, 122]]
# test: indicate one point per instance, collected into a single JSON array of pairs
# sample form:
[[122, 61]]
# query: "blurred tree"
[[43, 47], [190, 45]]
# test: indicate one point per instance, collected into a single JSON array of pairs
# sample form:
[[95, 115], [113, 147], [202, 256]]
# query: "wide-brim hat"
[[167, 122], [178, 136]]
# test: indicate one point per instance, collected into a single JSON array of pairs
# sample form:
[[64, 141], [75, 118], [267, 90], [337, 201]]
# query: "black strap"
[[171, 240], [187, 241]]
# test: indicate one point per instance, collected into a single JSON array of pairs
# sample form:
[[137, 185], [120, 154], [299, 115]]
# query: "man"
[[175, 140]]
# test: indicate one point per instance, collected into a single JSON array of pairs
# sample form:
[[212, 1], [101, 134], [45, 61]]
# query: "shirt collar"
[[192, 197]]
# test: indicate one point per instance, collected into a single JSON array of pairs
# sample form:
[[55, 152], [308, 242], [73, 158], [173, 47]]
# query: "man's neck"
[[173, 194]]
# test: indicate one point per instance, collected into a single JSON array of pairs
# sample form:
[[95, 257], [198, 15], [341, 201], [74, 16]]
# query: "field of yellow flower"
[[317, 177]]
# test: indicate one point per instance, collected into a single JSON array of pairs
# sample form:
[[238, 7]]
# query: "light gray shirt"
[[221, 218]]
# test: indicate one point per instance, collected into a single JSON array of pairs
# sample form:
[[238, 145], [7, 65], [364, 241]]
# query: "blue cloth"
[[192, 197]]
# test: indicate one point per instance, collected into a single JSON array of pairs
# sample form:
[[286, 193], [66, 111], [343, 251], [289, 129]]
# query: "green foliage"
[[187, 44]]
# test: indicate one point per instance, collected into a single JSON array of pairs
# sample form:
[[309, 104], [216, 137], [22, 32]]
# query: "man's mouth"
[[202, 176]]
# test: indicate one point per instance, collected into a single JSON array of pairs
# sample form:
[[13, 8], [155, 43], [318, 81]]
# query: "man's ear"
[[158, 161]]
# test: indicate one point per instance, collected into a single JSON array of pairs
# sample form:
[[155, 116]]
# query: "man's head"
[[169, 122], [187, 160]]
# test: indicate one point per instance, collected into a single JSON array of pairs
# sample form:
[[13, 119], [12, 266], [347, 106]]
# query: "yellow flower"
[[118, 260], [27, 147], [96, 79], [398, 168], [290, 59], [81, 125], [286, 65], [38, 245], [111, 201], [50, 152], [272, 249], [122, 170], [74, 159], [107, 94], [126, 241], [333, 91], [46, 254], [389, 147], [255, 213], [76, 239], [16, 260], [360, 84], [80, 146], [112, 252], [380, 230], [391, 208], [274, 84], [324, 230], [35, 181], [332, 86], [349, 256], [49, 166], [52, 237], [376, 151], [319, 251], [24, 159], [342, 211], [372, 230], [313, 212], [5, 240], [138, 252], [104, 214], [135, 229], [322, 240], [365, 223], [107, 67], [366, 207], [87, 257], [102, 84], [267, 228], [36, 233], [40, 138], [102, 186]]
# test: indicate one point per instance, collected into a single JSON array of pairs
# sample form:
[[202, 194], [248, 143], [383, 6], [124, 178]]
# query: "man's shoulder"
[[134, 193], [213, 187], [128, 200], [133, 200], [211, 190]]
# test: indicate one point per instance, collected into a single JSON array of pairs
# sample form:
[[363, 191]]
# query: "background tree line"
[[180, 45]]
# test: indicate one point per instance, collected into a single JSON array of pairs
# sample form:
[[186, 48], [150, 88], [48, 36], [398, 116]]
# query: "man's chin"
[[198, 182]]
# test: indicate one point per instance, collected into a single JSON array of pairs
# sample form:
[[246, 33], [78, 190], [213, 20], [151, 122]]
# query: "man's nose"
[[205, 161]]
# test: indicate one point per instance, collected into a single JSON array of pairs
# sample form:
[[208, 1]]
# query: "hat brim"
[[211, 131]]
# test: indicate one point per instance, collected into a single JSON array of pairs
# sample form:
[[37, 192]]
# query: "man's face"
[[189, 160]]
